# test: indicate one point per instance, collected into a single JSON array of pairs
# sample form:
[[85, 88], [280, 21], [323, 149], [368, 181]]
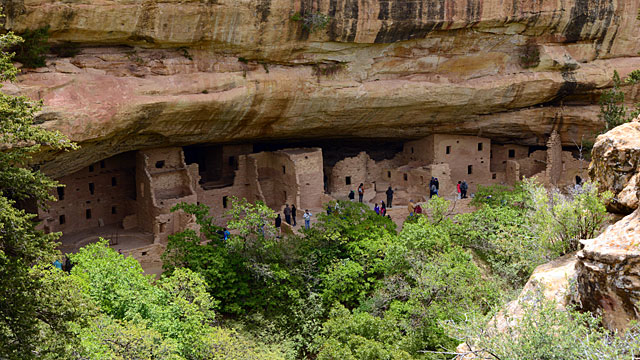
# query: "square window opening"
[[448, 150], [62, 219], [493, 176], [60, 190], [512, 153], [114, 210], [389, 174], [480, 146], [114, 181], [90, 168], [92, 188], [102, 164], [159, 164], [347, 180], [405, 177], [470, 169], [284, 169], [87, 213]]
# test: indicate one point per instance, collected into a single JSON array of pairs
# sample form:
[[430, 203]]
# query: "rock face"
[[609, 273], [616, 165], [176, 72]]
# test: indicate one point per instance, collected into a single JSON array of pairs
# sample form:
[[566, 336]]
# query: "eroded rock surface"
[[179, 72], [609, 273], [616, 165]]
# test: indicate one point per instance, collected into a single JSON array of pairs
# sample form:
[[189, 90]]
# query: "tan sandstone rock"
[[228, 71], [609, 273], [616, 165]]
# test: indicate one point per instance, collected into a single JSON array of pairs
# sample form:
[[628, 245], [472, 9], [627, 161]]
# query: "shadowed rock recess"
[[159, 73]]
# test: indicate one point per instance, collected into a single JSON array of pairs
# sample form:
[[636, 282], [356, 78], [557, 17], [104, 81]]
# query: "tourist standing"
[[437, 183], [307, 219], [463, 189], [376, 208], [411, 207], [432, 187], [389, 196], [458, 189], [360, 192], [287, 214], [352, 195], [294, 212], [383, 208], [278, 224]]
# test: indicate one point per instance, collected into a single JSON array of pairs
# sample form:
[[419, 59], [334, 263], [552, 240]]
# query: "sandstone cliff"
[[162, 72], [616, 165]]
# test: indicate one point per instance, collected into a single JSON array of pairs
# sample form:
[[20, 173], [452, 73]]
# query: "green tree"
[[23, 315]]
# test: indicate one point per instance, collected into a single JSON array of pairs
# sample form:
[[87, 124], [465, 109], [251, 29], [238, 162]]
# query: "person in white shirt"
[[307, 219]]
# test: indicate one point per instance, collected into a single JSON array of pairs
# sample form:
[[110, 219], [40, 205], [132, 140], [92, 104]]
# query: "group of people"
[[352, 194], [290, 213], [380, 210], [462, 188], [414, 208]]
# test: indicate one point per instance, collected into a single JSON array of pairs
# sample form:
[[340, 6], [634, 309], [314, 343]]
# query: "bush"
[[546, 332], [32, 51], [561, 221]]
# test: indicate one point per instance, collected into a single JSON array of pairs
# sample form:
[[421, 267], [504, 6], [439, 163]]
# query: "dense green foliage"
[[32, 51], [32, 315], [170, 319], [352, 287]]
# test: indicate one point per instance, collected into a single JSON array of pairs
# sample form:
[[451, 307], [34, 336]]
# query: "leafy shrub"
[[546, 332], [31, 52], [612, 109], [561, 221]]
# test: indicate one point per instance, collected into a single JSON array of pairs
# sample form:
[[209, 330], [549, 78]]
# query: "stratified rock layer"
[[616, 165], [191, 71]]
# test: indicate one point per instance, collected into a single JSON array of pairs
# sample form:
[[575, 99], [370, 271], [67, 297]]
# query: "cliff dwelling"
[[128, 197]]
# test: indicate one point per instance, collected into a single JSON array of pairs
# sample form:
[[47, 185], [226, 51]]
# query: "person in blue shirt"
[[57, 264], [226, 234]]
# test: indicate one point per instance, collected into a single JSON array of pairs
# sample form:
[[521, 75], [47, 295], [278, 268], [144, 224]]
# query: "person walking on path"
[[437, 183], [458, 189], [352, 195], [287, 214], [389, 196], [278, 224], [463, 189], [360, 192], [307, 219], [411, 207], [294, 212]]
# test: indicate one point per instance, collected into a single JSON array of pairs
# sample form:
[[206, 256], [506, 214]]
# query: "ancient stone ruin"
[[128, 197]]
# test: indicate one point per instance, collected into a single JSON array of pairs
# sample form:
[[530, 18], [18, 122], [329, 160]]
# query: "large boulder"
[[609, 273], [615, 165]]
